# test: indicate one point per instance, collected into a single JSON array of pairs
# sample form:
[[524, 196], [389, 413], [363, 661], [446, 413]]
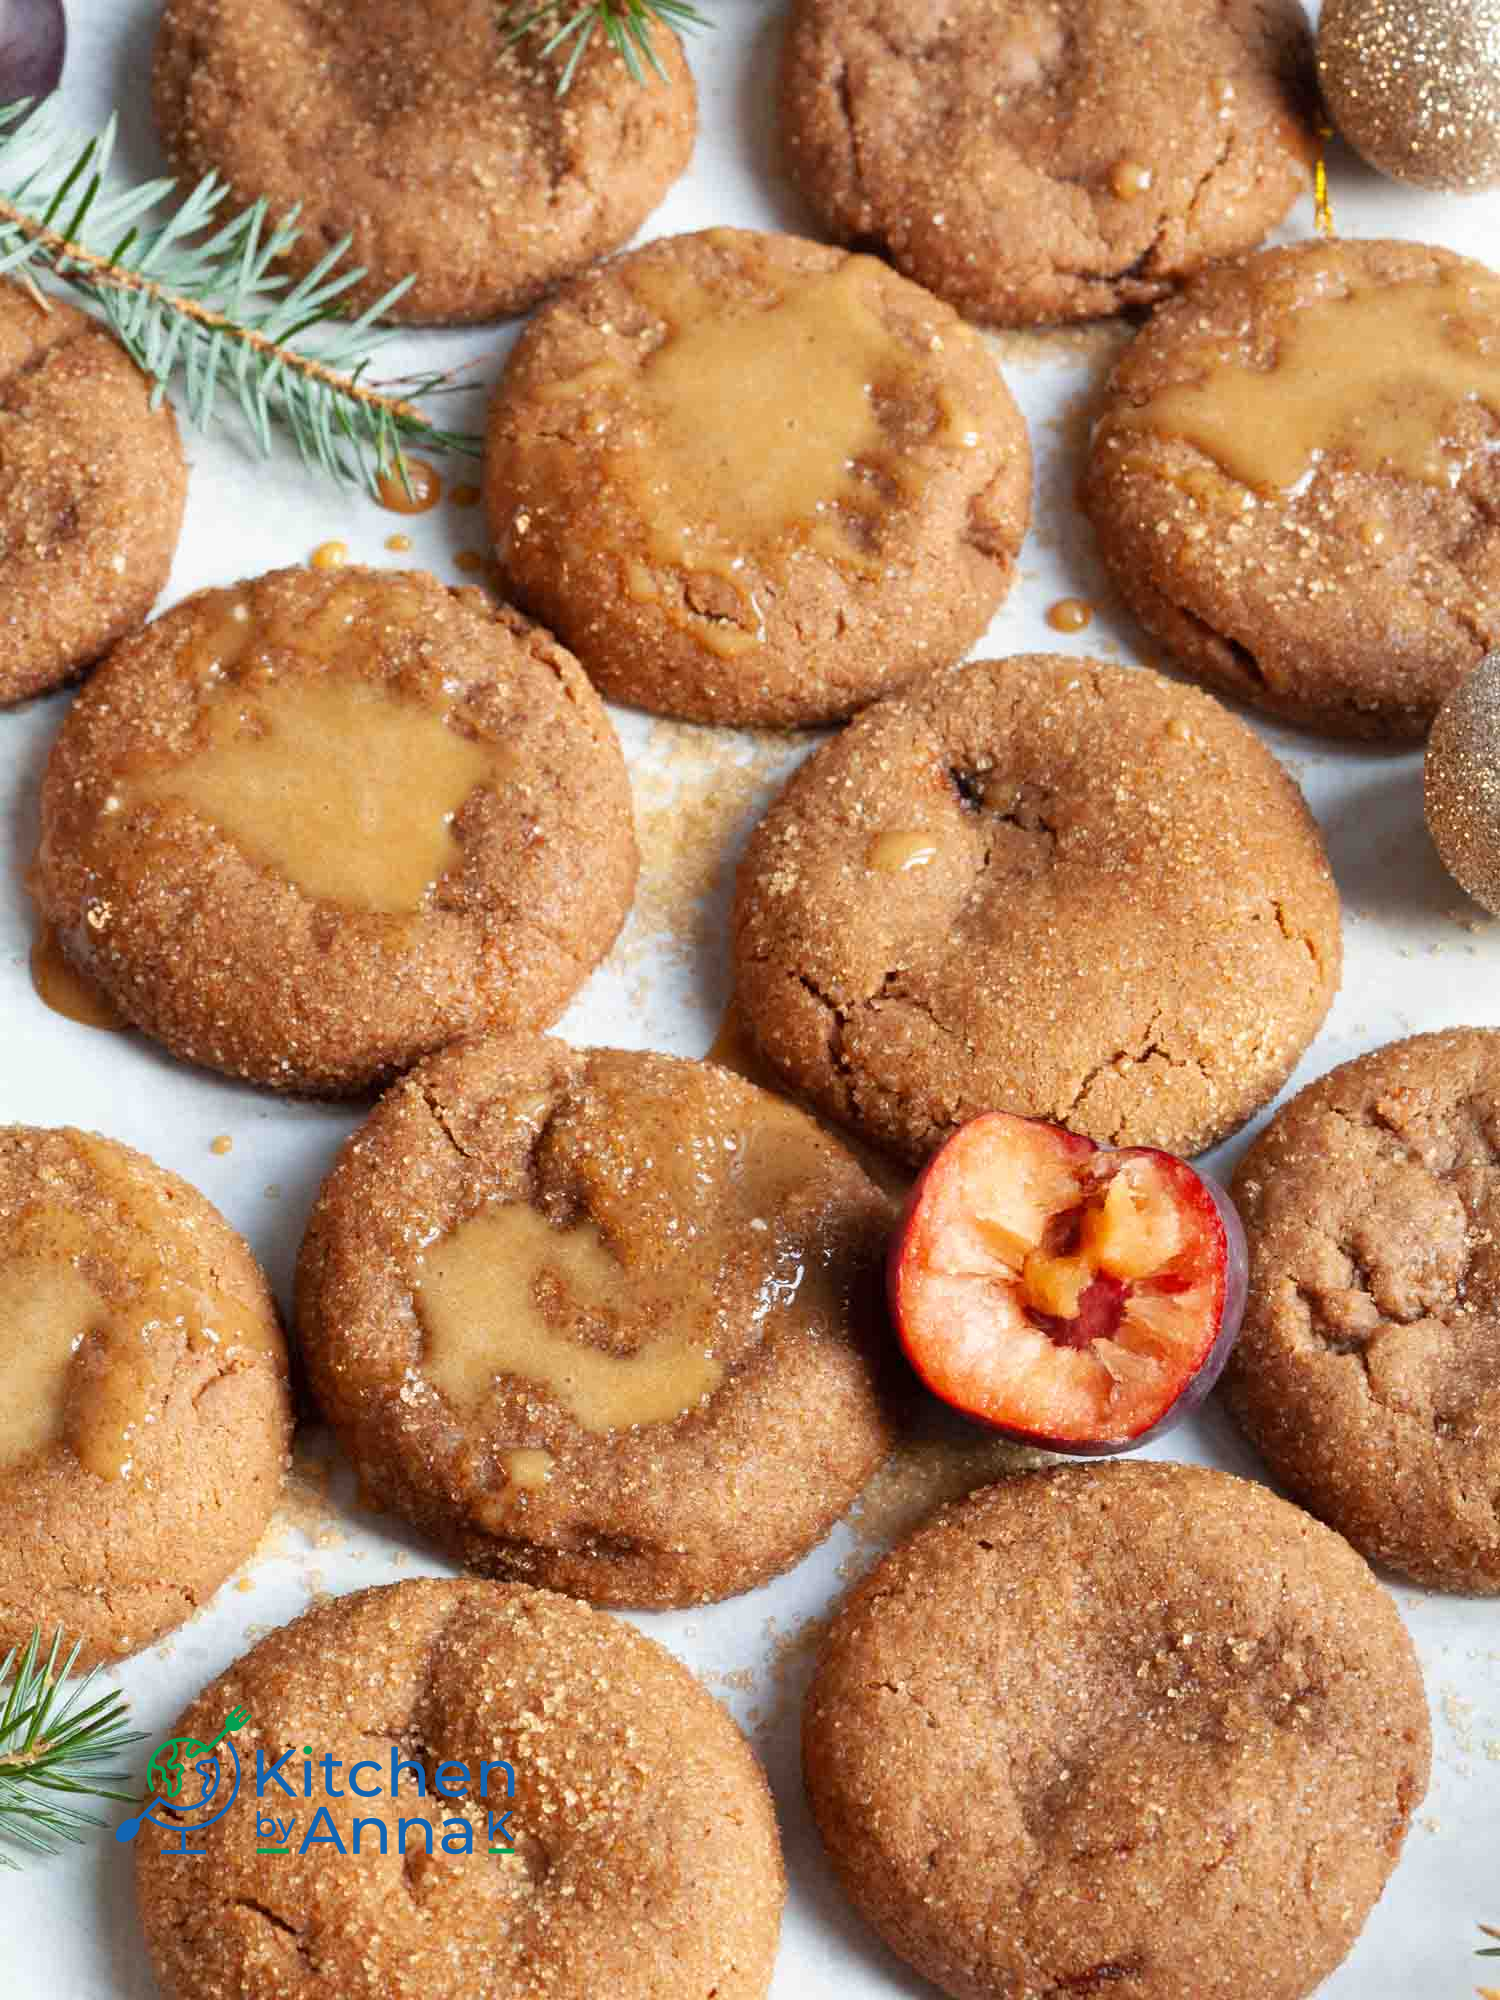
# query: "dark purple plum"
[[33, 40]]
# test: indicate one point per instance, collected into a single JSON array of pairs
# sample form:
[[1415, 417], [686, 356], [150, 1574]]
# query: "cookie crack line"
[[273, 1917]]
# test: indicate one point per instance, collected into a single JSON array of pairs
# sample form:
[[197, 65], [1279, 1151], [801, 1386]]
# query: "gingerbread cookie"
[[92, 497], [520, 1795], [1330, 554], [305, 829], [1368, 1367], [601, 1320], [1036, 161], [146, 1410], [752, 480], [1137, 1729], [426, 133], [1042, 885]]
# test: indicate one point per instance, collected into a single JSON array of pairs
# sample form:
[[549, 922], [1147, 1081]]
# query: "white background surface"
[[1417, 956]]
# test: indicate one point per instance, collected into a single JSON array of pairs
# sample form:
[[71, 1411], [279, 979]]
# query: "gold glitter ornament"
[[1462, 783], [1414, 86]]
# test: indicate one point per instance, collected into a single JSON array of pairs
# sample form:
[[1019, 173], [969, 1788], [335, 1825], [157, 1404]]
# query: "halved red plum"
[[1074, 1297]]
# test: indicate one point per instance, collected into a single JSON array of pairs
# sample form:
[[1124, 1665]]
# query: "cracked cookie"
[[600, 1319], [1328, 553], [305, 829], [1042, 885], [750, 479], [1368, 1368], [644, 1858], [92, 498], [424, 132], [1044, 160], [1141, 1729], [146, 1417]]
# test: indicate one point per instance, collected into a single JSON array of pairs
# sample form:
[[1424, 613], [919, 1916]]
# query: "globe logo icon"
[[195, 1783]]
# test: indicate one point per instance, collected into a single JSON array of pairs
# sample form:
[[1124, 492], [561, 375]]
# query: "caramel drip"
[[1070, 614], [1377, 378], [330, 555], [1129, 179], [340, 785], [895, 852], [615, 1338], [764, 429], [425, 482], [733, 1048], [496, 1298], [61, 986], [528, 1470], [93, 1313]]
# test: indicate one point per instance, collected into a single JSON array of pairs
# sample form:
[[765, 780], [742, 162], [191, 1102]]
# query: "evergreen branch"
[[626, 25], [193, 294], [56, 1747]]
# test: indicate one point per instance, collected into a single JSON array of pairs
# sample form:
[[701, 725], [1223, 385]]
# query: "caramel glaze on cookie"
[[603, 1320], [1036, 160], [749, 479], [1368, 1367], [306, 829], [1042, 885], [416, 127], [146, 1417], [646, 1858], [92, 488], [1295, 480], [1139, 1729]]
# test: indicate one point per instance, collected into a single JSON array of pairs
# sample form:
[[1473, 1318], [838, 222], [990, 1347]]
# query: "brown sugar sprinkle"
[[470, 560], [1070, 614], [424, 480], [222, 1145], [330, 555], [465, 496], [941, 1458], [398, 544]]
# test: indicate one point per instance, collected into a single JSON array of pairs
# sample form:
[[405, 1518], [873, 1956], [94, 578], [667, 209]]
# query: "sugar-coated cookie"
[[1042, 885], [1368, 1366], [750, 479], [600, 1319], [1295, 481], [1140, 1729], [146, 1408], [305, 829], [92, 494], [423, 131], [644, 1857], [1036, 160]]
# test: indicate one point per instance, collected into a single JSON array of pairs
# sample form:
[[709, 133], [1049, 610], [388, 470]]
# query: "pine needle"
[[626, 25], [192, 295], [56, 1747]]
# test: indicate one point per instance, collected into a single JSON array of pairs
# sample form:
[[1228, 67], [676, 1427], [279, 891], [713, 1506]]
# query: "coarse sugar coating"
[[1045, 160], [423, 131], [1043, 885], [751, 479], [1139, 1729], [147, 1418], [305, 829], [646, 1860], [603, 1320], [1295, 483], [92, 496], [1368, 1367]]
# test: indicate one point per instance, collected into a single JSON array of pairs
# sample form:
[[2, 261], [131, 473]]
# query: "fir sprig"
[[56, 1748], [626, 25], [193, 293]]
